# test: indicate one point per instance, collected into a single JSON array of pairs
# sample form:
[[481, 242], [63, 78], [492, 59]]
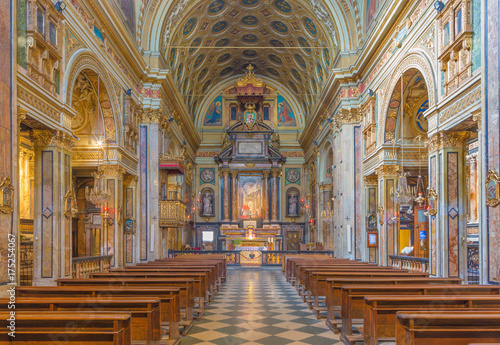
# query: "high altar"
[[252, 205]]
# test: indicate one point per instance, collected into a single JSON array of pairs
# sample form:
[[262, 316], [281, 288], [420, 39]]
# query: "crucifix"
[[347, 218], [154, 218]]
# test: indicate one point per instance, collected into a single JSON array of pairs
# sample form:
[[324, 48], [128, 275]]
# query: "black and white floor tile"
[[257, 306]]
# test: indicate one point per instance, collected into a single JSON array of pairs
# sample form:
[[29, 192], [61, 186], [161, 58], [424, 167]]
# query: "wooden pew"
[[334, 297], [200, 283], [145, 312], [67, 327], [353, 297], [380, 312], [217, 260], [186, 286], [447, 328], [319, 286], [169, 298]]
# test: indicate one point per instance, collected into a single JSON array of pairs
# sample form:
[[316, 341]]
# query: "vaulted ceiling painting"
[[216, 40]]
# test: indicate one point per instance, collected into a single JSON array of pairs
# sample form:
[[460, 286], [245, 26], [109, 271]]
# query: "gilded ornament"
[[492, 186], [6, 195]]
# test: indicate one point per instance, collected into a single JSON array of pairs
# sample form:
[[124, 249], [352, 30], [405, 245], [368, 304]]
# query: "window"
[[446, 34], [266, 113], [52, 33], [458, 21], [233, 113], [40, 19]]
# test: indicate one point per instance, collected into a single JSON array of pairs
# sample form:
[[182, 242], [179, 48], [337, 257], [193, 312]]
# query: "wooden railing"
[[83, 266], [411, 263], [172, 213]]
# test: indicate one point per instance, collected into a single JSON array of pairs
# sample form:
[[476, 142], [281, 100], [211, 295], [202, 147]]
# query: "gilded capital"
[[21, 115], [371, 179], [234, 173], [130, 180], [112, 170], [276, 172], [266, 173], [224, 172], [443, 140], [50, 137], [387, 170], [476, 116]]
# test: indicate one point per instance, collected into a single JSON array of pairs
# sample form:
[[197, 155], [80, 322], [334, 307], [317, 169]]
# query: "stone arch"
[[82, 61], [419, 62]]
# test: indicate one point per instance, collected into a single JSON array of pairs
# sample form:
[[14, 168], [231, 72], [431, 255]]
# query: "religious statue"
[[207, 204], [292, 205]]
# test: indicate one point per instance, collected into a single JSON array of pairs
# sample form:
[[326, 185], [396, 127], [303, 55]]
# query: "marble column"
[[276, 173], [388, 231], [265, 197], [234, 197], [149, 232], [9, 216], [370, 208], [225, 208], [473, 188], [448, 229], [113, 176], [130, 212], [52, 226]]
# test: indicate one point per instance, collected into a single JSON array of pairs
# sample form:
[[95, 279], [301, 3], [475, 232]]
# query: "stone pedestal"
[[52, 227]]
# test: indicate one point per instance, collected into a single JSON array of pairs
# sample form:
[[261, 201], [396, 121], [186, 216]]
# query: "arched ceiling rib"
[[292, 42]]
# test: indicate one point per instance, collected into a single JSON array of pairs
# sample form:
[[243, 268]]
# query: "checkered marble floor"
[[258, 306]]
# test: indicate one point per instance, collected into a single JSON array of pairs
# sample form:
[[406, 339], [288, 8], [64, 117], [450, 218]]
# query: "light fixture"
[[402, 195], [60, 6], [438, 6], [98, 195], [420, 189]]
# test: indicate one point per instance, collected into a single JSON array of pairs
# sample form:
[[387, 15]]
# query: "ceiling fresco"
[[215, 41]]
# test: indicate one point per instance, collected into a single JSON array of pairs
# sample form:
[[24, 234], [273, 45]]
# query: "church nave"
[[258, 306]]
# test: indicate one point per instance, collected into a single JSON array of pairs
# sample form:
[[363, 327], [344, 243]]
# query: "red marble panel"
[[453, 213], [432, 183], [67, 220]]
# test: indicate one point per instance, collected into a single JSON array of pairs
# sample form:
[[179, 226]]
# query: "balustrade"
[[413, 264], [83, 266]]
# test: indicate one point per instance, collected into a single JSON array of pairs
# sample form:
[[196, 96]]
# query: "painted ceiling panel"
[[215, 41]]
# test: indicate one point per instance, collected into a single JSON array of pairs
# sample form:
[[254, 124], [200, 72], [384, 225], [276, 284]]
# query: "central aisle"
[[258, 306]]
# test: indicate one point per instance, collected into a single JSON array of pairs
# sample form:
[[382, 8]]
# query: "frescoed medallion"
[[320, 72], [213, 117], [202, 74], [300, 60], [283, 6], [280, 27], [305, 45], [249, 20], [249, 53], [310, 27], [293, 86], [207, 175], [216, 6], [277, 43], [194, 45], [296, 75], [173, 54], [326, 56], [285, 114], [219, 27], [249, 38], [275, 59], [198, 61], [226, 71], [249, 2], [205, 86], [222, 42], [273, 72], [292, 175], [223, 58], [189, 26]]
